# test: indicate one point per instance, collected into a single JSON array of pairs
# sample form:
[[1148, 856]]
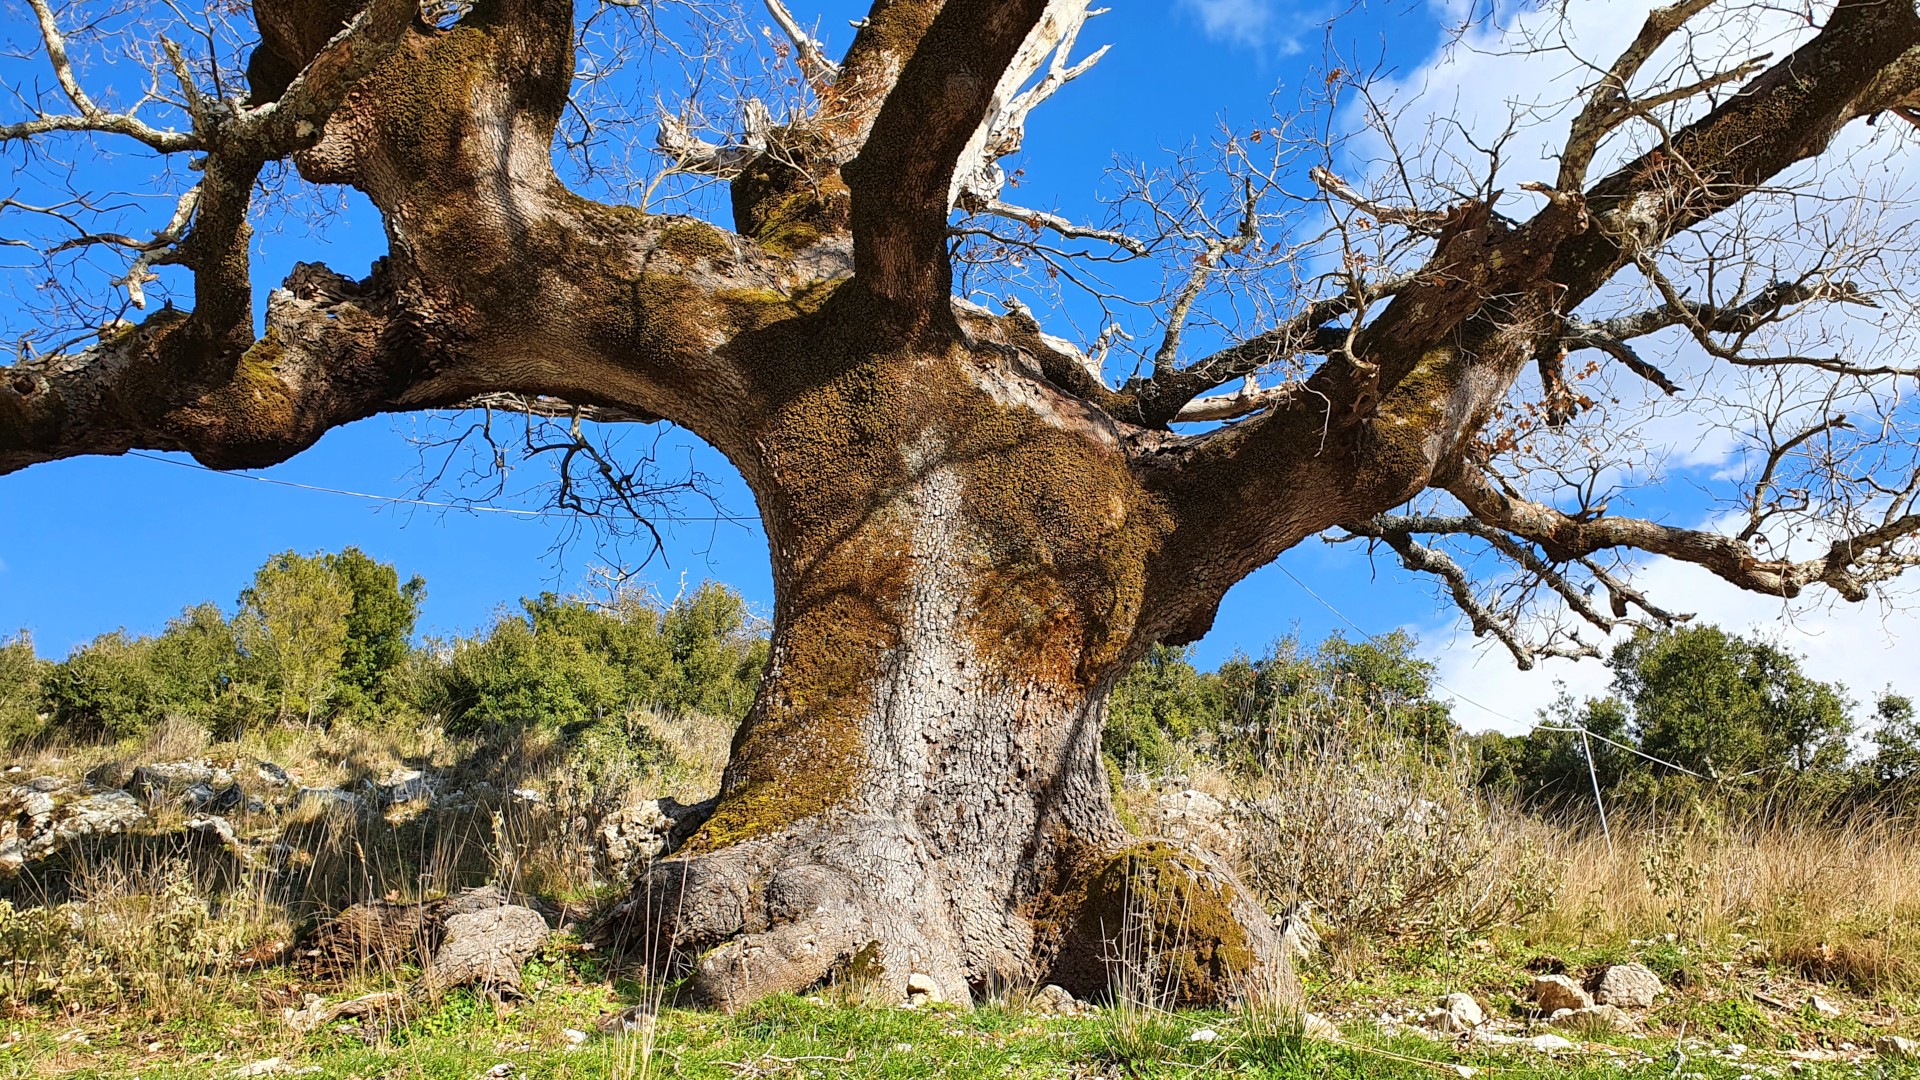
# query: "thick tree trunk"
[[919, 793]]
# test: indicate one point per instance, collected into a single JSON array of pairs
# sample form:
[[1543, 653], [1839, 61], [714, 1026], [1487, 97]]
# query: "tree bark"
[[960, 559]]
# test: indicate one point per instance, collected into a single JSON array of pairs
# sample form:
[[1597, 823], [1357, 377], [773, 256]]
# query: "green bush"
[[20, 700], [565, 663], [1160, 704]]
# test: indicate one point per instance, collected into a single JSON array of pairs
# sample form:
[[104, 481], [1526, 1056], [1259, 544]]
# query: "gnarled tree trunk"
[[960, 567]]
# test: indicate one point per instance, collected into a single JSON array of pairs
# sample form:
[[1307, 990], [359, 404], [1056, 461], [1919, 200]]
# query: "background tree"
[[20, 674], [379, 627], [1896, 744], [977, 525], [294, 627], [1728, 708]]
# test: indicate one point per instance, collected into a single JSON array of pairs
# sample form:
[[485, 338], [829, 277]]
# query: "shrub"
[[20, 674]]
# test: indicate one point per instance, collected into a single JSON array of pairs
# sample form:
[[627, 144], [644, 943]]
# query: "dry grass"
[[1838, 901]]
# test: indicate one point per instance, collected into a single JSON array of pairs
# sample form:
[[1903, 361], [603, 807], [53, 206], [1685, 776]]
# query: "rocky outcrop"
[[479, 937], [43, 815]]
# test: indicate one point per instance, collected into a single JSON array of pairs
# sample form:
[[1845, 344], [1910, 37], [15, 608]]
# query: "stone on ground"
[[1628, 986], [1555, 992], [1594, 1019]]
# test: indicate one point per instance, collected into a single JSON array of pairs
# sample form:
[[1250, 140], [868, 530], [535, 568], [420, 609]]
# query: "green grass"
[[463, 1037]]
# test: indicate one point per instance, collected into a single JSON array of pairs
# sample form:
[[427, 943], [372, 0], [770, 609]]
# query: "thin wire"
[[398, 500], [1573, 729]]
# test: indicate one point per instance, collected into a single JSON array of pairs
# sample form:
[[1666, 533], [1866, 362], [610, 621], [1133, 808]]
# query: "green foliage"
[[20, 674], [105, 687], [566, 663], [1161, 703], [1724, 706], [1380, 683], [1738, 712], [1896, 743], [293, 625], [379, 629]]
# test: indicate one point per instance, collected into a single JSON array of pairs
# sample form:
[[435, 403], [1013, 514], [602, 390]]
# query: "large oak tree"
[[974, 528]]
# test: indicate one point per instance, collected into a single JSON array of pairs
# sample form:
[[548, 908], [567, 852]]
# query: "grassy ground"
[[555, 1032], [135, 960]]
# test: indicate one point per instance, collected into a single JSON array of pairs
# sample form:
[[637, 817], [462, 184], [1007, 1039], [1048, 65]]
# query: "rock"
[[264, 1067], [635, 835], [1318, 1027], [34, 823], [215, 826], [1897, 1048], [1594, 1019], [45, 784], [528, 795], [170, 780], [923, 986], [1054, 1000], [486, 948], [1204, 1035], [1627, 986], [632, 1018], [269, 773], [1823, 1008], [1555, 992], [1457, 1013], [405, 786], [99, 814], [1298, 938], [574, 1036], [1549, 1044], [330, 796]]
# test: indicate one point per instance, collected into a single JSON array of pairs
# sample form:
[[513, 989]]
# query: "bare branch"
[[809, 54], [1424, 222]]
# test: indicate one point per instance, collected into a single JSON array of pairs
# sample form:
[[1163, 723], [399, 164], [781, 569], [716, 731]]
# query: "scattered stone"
[[1457, 1013], [635, 835], [1549, 1044], [1465, 1072], [1298, 938], [574, 1036], [1627, 986], [173, 780], [215, 827], [269, 773], [264, 1067], [630, 1019], [528, 795], [1056, 1001], [1204, 1035], [1319, 1027], [1594, 1019], [1555, 992], [405, 786], [331, 796], [1823, 1008], [924, 987], [1897, 1048]]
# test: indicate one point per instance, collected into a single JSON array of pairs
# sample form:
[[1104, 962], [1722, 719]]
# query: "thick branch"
[[901, 179], [1849, 565]]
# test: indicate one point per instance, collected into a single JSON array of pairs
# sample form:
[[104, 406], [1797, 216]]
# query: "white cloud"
[[1478, 88], [1248, 23]]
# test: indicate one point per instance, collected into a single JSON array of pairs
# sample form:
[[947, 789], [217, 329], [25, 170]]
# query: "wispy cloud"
[[1248, 23]]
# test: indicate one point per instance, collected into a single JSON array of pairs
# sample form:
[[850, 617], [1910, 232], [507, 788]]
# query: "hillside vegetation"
[[252, 773]]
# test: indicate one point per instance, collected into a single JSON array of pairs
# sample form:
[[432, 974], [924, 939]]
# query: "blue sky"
[[93, 544]]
